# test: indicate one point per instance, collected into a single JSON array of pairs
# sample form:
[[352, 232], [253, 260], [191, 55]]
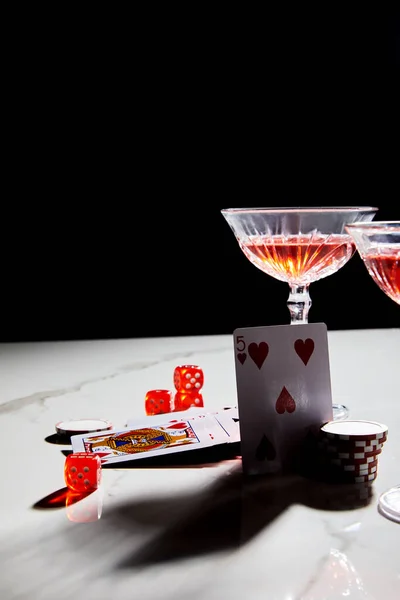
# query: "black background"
[[126, 147]]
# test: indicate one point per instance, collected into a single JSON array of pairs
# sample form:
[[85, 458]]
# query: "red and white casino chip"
[[81, 426], [352, 495], [355, 457], [355, 477], [349, 477], [367, 471], [334, 445], [355, 467], [350, 430], [365, 478], [349, 466]]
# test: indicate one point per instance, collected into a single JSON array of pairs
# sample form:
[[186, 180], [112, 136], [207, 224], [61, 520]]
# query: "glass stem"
[[299, 303]]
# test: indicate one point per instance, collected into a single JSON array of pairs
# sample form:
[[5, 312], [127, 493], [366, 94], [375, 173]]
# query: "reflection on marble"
[[194, 530], [80, 507], [338, 579], [84, 508]]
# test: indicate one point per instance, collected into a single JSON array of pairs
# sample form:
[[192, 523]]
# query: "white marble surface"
[[193, 532]]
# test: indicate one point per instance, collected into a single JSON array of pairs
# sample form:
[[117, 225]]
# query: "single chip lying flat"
[[76, 426], [345, 430]]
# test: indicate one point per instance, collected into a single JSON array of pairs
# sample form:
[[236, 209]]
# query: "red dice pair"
[[158, 402], [188, 381], [82, 472]]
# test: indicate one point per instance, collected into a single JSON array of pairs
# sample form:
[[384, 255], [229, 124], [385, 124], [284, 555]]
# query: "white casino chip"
[[77, 426], [348, 430]]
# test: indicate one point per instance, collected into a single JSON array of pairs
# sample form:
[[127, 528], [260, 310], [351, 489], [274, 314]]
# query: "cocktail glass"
[[298, 246], [378, 244]]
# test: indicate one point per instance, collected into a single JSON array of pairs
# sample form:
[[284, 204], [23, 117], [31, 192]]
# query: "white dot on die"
[[187, 375], [197, 375], [192, 380], [197, 401], [86, 482], [188, 386], [73, 470], [86, 469], [197, 385]]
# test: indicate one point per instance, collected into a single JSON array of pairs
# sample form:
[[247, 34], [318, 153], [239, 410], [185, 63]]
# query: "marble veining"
[[40, 397], [196, 531]]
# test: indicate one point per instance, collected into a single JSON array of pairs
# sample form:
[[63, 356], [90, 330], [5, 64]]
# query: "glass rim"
[[373, 224], [300, 209], [374, 227]]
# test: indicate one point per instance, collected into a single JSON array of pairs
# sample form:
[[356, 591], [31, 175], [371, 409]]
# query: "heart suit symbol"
[[242, 357], [304, 349], [285, 402], [258, 352]]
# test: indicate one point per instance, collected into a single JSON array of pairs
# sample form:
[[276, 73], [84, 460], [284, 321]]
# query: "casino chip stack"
[[349, 450]]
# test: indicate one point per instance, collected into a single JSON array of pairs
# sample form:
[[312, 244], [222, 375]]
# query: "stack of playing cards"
[[161, 435]]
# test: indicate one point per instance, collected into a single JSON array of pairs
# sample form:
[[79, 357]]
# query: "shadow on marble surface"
[[169, 526], [58, 439], [227, 515]]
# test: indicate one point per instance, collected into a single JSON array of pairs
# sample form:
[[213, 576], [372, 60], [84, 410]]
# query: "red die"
[[184, 401], [158, 402], [82, 471], [188, 378]]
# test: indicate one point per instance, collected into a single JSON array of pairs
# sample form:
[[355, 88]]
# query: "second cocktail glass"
[[378, 245], [298, 246]]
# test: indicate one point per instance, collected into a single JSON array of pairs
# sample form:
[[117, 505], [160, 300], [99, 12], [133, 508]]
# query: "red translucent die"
[[184, 401], [82, 471], [158, 402], [188, 378]]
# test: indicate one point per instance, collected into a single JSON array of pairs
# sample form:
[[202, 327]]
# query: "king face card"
[[284, 391]]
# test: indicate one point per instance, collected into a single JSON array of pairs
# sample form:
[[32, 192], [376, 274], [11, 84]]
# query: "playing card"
[[215, 430], [284, 390], [152, 436], [229, 421], [222, 424]]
